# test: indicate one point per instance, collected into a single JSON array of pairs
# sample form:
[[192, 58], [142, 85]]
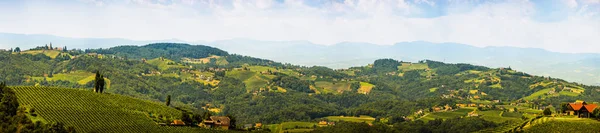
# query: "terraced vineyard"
[[93, 112], [565, 125]]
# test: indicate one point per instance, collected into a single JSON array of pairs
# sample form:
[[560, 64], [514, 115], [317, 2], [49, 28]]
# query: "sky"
[[571, 26]]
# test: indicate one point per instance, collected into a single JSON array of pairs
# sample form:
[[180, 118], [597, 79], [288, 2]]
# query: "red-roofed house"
[[580, 108]]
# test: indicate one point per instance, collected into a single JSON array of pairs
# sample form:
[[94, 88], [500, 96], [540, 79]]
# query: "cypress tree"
[[101, 84], [96, 81], [168, 101]]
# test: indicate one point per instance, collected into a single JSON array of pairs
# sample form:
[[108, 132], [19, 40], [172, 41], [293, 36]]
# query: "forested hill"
[[258, 90], [167, 50]]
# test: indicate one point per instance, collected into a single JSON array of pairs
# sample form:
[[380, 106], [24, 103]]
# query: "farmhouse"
[[178, 123], [258, 125], [217, 122], [580, 108]]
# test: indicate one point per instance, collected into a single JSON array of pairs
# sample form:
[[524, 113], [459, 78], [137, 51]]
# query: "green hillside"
[[93, 112], [262, 91], [564, 125]]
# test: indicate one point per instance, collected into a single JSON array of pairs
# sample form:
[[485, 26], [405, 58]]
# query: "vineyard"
[[93, 112], [573, 125]]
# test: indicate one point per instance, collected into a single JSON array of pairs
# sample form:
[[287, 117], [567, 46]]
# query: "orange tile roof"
[[576, 106], [590, 107]]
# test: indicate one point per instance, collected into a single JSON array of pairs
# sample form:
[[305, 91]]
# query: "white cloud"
[[571, 3], [506, 23]]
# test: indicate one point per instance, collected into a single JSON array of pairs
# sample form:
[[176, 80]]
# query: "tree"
[[232, 122], [596, 112], [168, 101], [563, 107], [50, 74], [206, 115], [50, 46], [17, 49], [354, 86], [101, 83], [515, 109], [97, 81], [547, 111], [386, 65], [65, 49], [185, 117]]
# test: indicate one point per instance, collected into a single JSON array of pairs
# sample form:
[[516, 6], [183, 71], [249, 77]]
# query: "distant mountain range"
[[580, 67]]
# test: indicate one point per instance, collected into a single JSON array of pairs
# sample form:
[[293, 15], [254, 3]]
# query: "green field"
[[362, 118], [496, 117], [253, 80], [412, 66], [93, 112], [291, 127], [163, 64], [433, 89], [76, 77], [543, 84], [537, 94], [447, 115], [50, 53], [480, 101], [337, 87], [568, 93], [259, 69]]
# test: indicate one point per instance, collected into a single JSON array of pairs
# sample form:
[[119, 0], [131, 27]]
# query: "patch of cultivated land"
[[365, 88], [449, 114], [333, 86], [93, 112], [565, 125], [218, 60], [75, 77], [164, 64], [253, 80], [496, 117], [413, 66], [362, 118], [292, 127], [50, 53], [538, 94], [433, 89]]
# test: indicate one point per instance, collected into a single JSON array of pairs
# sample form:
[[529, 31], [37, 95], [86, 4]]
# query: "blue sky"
[[557, 25]]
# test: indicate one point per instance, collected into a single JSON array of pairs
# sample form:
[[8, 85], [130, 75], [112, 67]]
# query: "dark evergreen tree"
[[97, 82], [168, 101], [101, 83]]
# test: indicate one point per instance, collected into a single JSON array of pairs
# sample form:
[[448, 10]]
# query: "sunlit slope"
[[93, 112]]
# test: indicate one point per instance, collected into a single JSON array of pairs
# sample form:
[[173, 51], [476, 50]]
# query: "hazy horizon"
[[567, 26]]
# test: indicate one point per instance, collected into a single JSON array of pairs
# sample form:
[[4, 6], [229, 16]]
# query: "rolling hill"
[[93, 112], [255, 90]]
